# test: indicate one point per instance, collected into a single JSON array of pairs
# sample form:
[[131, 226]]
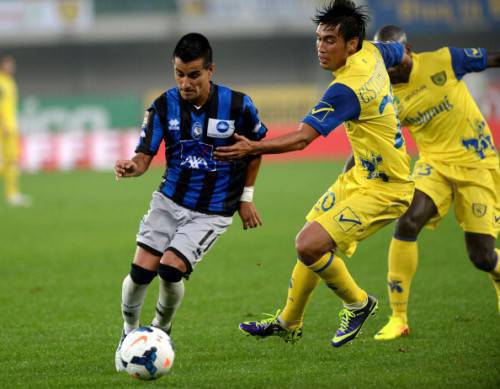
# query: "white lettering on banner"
[[97, 150]]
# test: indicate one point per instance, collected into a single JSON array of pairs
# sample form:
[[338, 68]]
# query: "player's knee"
[[305, 251], [407, 226], [483, 258], [140, 275], [169, 273]]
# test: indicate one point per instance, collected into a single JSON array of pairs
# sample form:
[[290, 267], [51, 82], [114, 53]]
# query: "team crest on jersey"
[[197, 156], [481, 142], [439, 78], [473, 53], [174, 124], [321, 111], [196, 130], [220, 128], [372, 165], [478, 209], [347, 219]]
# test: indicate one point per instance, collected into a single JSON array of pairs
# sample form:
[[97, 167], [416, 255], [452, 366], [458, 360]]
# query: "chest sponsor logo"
[[220, 128], [347, 219], [174, 125], [197, 156], [439, 78], [478, 209]]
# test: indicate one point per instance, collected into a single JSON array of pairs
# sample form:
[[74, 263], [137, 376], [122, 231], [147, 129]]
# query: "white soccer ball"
[[147, 353]]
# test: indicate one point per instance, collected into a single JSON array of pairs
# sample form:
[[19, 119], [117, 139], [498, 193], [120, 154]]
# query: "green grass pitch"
[[62, 263]]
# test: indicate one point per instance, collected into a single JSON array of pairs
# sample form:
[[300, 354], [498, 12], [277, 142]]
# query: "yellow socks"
[[301, 286], [333, 271], [403, 259], [495, 278]]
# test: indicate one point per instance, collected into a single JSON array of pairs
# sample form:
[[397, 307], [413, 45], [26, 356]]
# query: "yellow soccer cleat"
[[395, 328]]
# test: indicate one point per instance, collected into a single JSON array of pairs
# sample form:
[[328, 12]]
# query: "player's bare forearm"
[[253, 171], [134, 167], [291, 141], [250, 218], [349, 164], [406, 60], [493, 60]]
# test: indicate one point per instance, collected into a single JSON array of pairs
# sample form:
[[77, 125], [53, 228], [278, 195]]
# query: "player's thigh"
[[194, 239], [431, 180], [477, 201], [362, 214], [158, 226]]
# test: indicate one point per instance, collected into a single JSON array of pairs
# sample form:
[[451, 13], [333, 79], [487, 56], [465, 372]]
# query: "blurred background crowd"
[[87, 69]]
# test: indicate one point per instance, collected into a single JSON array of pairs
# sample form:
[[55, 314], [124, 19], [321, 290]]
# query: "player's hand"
[[249, 216], [125, 168], [240, 149]]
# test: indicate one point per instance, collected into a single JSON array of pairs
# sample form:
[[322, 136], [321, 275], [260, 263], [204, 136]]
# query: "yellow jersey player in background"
[[458, 163], [9, 133], [375, 192]]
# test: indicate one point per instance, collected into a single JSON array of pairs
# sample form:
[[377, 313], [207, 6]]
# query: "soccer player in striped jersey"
[[198, 195], [458, 162], [375, 192]]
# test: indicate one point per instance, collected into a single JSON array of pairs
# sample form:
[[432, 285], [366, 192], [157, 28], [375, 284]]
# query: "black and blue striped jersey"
[[193, 178]]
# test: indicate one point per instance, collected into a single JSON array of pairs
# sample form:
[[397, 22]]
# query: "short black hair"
[[352, 19], [193, 46], [391, 32]]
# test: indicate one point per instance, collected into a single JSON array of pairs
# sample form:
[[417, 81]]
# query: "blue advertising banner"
[[437, 15]]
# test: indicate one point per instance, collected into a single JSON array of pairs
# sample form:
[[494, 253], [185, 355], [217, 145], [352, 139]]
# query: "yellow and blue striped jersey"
[[361, 97], [8, 102], [439, 111]]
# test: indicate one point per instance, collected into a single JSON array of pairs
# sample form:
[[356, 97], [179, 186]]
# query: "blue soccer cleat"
[[270, 327], [351, 322]]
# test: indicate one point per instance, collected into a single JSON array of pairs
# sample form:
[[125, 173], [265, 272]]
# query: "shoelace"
[[345, 316], [270, 320]]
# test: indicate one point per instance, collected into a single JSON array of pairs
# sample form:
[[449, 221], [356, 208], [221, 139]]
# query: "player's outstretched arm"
[[291, 141], [250, 218], [493, 60], [132, 167]]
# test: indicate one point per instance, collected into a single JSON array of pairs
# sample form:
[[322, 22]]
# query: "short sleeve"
[[338, 104], [392, 52], [253, 128], [151, 133], [466, 61]]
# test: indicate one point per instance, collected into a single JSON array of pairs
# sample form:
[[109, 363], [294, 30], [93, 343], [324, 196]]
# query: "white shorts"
[[170, 226]]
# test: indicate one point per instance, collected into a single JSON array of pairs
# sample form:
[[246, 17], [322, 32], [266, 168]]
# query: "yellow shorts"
[[353, 210], [476, 192], [9, 147]]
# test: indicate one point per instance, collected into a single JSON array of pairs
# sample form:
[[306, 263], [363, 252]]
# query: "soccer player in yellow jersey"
[[458, 162], [375, 192], [9, 133]]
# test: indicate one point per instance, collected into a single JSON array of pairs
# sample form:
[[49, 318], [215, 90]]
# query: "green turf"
[[62, 263]]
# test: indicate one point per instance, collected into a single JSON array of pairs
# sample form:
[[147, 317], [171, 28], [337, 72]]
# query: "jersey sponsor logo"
[[197, 156], [377, 84], [439, 78], [478, 209], [174, 125], [473, 53], [426, 116], [372, 165], [347, 219], [481, 142], [220, 128], [413, 93], [321, 111]]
